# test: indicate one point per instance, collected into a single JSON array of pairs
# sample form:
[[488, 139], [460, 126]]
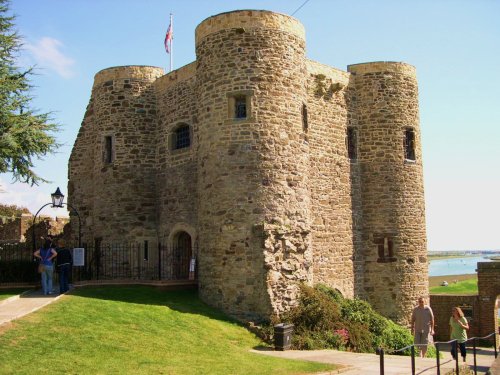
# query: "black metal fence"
[[439, 346], [131, 261], [17, 264]]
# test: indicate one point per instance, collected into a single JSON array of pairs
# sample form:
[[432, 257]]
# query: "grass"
[[10, 292], [136, 330], [461, 287], [437, 280]]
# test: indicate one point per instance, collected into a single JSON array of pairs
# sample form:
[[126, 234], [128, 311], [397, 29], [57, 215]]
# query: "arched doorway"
[[182, 253]]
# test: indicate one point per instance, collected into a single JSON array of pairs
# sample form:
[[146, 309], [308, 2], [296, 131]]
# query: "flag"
[[168, 38]]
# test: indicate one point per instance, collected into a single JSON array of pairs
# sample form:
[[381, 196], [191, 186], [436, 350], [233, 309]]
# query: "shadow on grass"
[[185, 300]]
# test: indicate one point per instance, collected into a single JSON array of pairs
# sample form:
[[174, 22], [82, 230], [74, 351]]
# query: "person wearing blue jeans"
[[46, 253], [64, 262]]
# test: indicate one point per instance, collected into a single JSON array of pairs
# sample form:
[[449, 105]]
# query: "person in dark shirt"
[[64, 263]]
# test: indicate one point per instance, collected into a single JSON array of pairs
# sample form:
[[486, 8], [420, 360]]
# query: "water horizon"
[[455, 266]]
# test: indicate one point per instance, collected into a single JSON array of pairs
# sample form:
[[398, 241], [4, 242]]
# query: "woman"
[[46, 254], [458, 330]]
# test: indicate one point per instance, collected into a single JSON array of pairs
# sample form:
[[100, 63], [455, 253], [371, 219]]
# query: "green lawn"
[[135, 330], [6, 293], [461, 287]]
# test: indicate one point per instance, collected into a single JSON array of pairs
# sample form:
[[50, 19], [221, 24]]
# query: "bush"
[[324, 319]]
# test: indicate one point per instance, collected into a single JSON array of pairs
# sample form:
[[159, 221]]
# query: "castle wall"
[[123, 197], [254, 205], [332, 228], [81, 175], [266, 189], [177, 168], [394, 239]]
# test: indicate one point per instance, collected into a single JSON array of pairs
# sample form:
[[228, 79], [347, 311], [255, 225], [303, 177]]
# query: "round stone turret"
[[121, 123], [394, 238], [254, 201]]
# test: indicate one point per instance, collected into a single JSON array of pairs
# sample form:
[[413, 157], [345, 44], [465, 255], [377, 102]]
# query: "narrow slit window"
[[305, 120], [385, 249], [351, 140], [146, 250], [108, 149], [182, 137], [409, 144], [240, 107]]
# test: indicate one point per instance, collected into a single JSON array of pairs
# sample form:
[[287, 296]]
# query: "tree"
[[25, 134], [12, 210]]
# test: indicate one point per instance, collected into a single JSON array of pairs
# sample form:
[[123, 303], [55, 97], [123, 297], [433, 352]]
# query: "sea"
[[455, 266]]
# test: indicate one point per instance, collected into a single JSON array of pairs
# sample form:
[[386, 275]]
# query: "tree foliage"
[[12, 210], [25, 134]]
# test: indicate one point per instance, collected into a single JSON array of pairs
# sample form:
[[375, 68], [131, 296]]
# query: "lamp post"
[[58, 202]]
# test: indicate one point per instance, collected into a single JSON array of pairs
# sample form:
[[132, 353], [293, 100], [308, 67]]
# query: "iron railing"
[[131, 261], [438, 345]]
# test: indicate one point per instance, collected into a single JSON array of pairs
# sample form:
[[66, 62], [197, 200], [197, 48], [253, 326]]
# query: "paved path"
[[365, 364], [15, 307]]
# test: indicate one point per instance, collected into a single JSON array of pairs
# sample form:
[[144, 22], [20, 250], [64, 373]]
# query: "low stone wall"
[[20, 229], [442, 305]]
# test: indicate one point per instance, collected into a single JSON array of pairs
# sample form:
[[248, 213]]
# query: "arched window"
[[181, 137]]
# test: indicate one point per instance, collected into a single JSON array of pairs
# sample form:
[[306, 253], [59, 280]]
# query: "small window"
[[182, 137], [108, 149], [351, 143], [409, 144], [385, 249], [240, 107], [305, 120]]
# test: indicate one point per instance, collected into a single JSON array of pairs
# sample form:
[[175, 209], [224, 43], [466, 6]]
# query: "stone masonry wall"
[[20, 229], [176, 169], [253, 191], [81, 174], [123, 197], [394, 239], [327, 120], [271, 199]]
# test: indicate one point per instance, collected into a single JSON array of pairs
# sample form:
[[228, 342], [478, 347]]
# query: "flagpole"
[[171, 43]]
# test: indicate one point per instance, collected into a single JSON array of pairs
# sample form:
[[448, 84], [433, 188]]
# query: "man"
[[422, 325], [64, 263]]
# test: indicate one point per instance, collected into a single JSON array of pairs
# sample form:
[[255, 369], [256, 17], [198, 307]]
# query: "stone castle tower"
[[279, 169]]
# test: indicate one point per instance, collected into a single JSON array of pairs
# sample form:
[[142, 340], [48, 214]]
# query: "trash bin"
[[283, 336]]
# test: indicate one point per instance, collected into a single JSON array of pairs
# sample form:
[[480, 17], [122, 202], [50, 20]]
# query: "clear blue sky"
[[455, 46]]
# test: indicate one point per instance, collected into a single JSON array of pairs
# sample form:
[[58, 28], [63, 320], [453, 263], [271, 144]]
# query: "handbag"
[[41, 268]]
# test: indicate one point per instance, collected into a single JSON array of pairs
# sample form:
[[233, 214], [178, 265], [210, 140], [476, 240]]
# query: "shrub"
[[324, 319]]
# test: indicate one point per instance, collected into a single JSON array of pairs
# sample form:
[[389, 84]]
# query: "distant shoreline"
[[439, 257], [437, 280]]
